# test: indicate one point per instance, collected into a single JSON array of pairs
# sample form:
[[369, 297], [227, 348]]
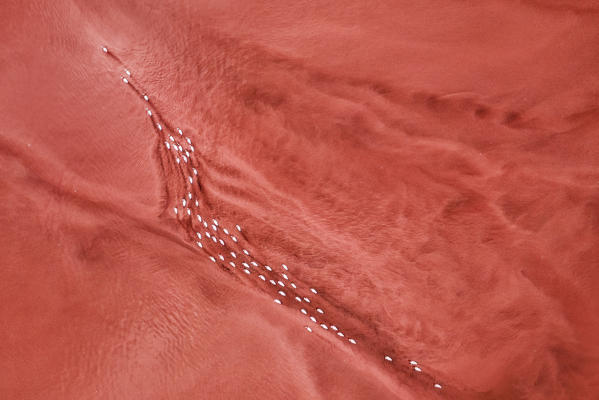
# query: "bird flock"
[[228, 246]]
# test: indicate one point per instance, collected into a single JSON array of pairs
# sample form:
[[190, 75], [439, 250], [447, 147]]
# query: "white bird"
[[388, 358], [437, 386], [104, 49], [276, 300], [352, 341]]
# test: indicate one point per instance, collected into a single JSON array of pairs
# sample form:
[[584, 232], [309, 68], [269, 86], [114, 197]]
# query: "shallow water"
[[424, 175]]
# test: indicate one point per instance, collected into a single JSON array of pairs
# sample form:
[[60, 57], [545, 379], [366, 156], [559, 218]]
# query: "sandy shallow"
[[431, 170]]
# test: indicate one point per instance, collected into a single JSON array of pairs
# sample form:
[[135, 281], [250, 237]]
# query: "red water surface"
[[430, 168]]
